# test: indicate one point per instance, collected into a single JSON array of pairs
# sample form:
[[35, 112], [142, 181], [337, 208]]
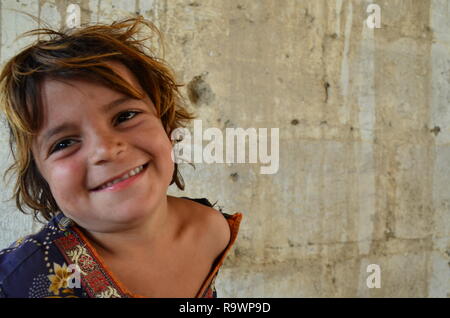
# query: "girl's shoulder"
[[22, 249], [218, 229], [215, 231], [25, 266], [205, 222]]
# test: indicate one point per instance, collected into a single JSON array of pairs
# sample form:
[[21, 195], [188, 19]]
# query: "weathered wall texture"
[[364, 136]]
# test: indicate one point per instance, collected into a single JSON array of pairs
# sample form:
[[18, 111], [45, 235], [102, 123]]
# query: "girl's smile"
[[122, 181]]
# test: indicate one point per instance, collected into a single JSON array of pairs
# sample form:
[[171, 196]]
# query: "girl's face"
[[106, 134]]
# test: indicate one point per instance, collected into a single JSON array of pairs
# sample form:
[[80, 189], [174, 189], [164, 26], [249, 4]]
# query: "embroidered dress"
[[44, 264]]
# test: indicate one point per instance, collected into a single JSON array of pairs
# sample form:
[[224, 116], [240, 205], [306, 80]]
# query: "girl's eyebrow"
[[68, 125]]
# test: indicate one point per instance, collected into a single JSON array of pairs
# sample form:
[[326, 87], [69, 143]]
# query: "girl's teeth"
[[128, 175]]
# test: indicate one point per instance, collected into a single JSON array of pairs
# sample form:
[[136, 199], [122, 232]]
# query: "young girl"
[[90, 115]]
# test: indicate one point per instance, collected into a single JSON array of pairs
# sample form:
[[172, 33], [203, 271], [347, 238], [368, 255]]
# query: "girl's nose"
[[106, 147]]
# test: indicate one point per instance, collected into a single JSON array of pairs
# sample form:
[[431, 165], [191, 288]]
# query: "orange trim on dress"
[[234, 222]]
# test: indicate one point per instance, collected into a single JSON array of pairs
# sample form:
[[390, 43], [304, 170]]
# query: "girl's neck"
[[142, 237]]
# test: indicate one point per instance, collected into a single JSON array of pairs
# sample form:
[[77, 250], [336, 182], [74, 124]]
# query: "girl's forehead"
[[78, 81], [60, 92], [63, 91]]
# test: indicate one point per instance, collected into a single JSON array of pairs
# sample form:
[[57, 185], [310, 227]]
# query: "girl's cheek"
[[66, 175], [166, 149], [159, 144]]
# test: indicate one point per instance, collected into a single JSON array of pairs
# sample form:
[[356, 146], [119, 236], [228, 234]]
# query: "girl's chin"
[[127, 214], [115, 222]]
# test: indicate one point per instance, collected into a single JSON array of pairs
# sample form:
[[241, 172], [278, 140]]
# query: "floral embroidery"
[[59, 279], [96, 281], [79, 255], [109, 293]]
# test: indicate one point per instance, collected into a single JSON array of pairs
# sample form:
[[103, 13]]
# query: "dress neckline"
[[100, 281]]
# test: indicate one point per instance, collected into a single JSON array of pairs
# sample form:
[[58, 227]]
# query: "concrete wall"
[[364, 136]]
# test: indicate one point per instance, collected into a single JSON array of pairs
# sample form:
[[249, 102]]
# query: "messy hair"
[[74, 53]]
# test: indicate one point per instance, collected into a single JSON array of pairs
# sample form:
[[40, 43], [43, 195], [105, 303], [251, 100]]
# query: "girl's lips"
[[125, 183]]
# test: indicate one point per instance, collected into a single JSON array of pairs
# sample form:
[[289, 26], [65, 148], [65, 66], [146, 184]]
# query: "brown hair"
[[79, 53]]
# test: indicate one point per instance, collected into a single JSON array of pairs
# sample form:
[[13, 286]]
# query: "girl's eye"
[[62, 142], [121, 115]]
